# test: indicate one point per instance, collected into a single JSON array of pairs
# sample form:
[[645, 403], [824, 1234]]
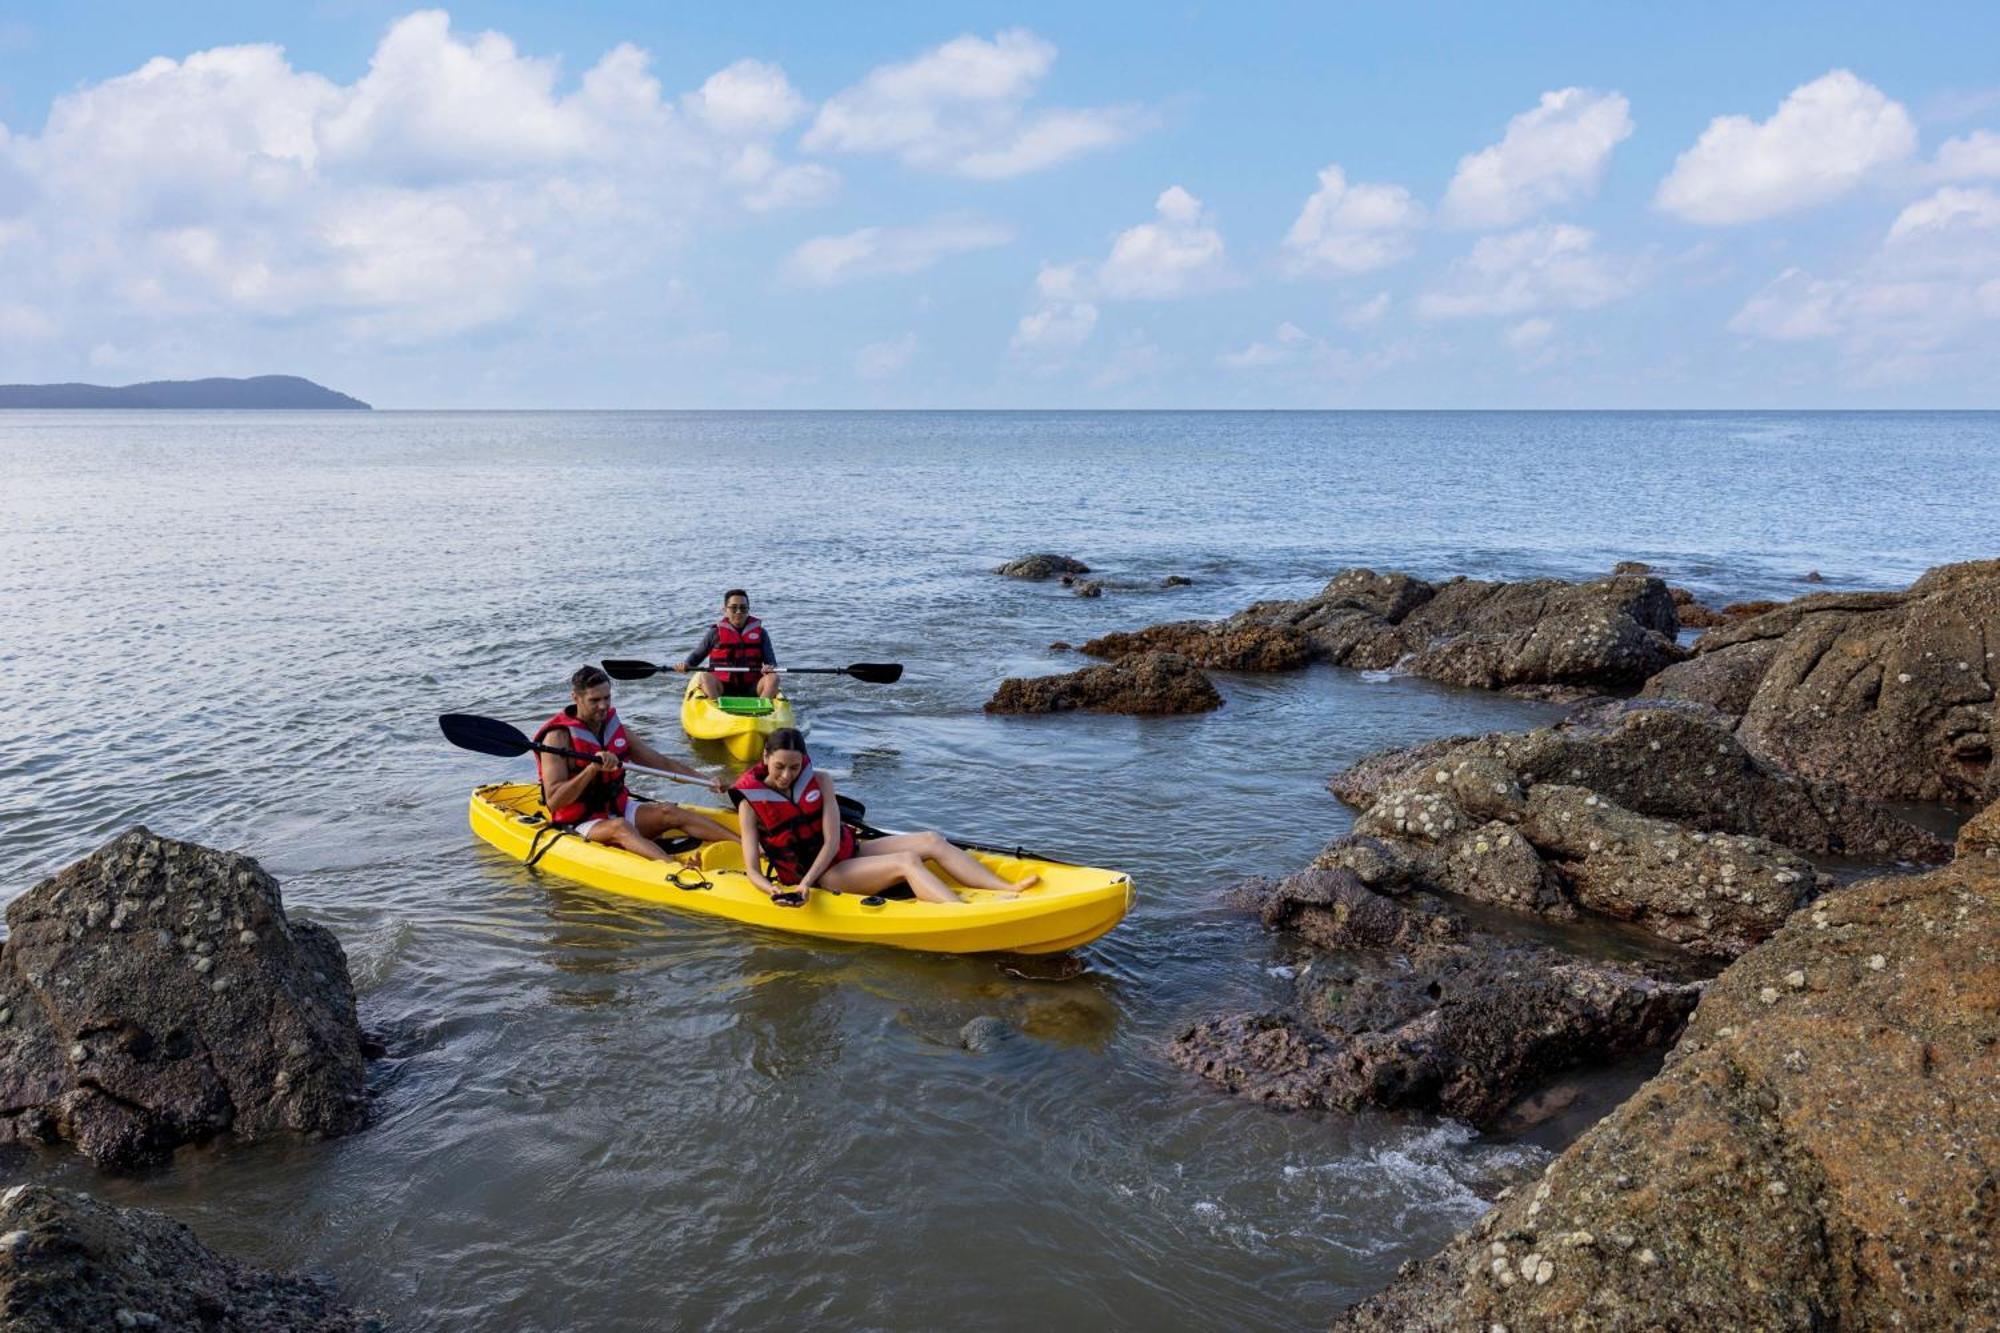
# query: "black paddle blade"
[[485, 735], [875, 673], [624, 668]]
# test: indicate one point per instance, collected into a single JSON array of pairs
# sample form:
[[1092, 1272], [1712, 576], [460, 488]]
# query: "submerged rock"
[[987, 1032], [1176, 581], [1087, 588], [1890, 695], [1042, 565], [157, 994], [68, 1262], [1149, 683], [1414, 1009], [1221, 647], [1818, 1152]]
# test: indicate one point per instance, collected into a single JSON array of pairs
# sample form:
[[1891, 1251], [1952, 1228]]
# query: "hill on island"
[[265, 392]]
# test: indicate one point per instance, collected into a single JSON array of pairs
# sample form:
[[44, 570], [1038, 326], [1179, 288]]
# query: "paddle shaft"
[[578, 755]]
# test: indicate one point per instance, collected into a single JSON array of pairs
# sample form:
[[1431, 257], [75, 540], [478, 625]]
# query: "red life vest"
[[603, 796], [738, 656], [790, 824]]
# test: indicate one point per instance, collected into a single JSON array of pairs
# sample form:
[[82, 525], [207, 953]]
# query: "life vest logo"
[[811, 797], [618, 743]]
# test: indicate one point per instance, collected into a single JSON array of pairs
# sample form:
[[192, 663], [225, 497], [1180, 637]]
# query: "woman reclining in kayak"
[[791, 820]]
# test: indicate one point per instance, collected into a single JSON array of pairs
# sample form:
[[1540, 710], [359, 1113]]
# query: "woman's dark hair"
[[587, 678], [786, 738], [735, 592]]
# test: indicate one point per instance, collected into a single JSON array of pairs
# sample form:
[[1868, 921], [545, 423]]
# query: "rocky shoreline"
[[1822, 1145]]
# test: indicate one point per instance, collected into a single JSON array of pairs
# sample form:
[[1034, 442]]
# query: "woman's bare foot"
[[1026, 882]]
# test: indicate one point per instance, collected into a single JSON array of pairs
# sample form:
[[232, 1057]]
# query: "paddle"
[[874, 673], [489, 735]]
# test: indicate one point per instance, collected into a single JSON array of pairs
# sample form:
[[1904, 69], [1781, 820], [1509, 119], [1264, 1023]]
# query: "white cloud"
[[1794, 307], [1348, 228], [1826, 138], [456, 183], [1547, 267], [1180, 251], [1555, 153], [1298, 357], [1366, 314], [1286, 346], [749, 99], [1530, 335], [1063, 317], [963, 108], [885, 360], [826, 261], [1949, 212], [1974, 156], [1925, 303]]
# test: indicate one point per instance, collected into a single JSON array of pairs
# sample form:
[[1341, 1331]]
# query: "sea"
[[239, 628]]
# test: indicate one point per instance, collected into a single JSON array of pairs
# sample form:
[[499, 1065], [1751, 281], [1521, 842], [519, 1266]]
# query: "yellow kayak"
[[1071, 906], [739, 724]]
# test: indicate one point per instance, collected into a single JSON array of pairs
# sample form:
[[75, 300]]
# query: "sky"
[[1026, 205]]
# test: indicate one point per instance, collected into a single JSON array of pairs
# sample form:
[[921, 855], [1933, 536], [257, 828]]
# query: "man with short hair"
[[588, 794], [738, 650]]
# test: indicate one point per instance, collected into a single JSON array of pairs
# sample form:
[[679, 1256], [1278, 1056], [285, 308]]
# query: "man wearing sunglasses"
[[737, 649]]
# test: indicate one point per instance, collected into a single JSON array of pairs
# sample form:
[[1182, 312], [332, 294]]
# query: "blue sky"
[[1010, 206]]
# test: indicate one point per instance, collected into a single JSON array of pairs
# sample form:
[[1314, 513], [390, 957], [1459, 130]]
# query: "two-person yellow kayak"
[[740, 725], [1069, 907]]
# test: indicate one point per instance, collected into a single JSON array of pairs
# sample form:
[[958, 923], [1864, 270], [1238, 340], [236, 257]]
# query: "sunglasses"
[[736, 606]]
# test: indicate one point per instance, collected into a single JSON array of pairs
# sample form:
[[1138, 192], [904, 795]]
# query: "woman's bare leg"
[[710, 686], [957, 862], [656, 817], [767, 686], [872, 874], [616, 832]]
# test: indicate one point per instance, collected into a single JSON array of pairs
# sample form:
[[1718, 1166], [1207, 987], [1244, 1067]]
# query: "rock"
[[1561, 849], [1716, 895], [1060, 646], [1890, 695], [74, 1263], [1690, 613], [1088, 588], [1609, 634], [1823, 1161], [1043, 565], [1354, 620], [1668, 759], [1543, 637], [1725, 681], [1812, 576], [1980, 835], [169, 1054], [985, 1033], [1220, 647], [1441, 1017], [1631, 567], [1149, 683], [1176, 581]]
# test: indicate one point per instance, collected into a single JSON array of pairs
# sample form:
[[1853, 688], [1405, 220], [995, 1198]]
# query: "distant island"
[[265, 392]]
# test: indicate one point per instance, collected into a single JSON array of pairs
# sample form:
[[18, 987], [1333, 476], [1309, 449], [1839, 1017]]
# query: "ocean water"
[[238, 628]]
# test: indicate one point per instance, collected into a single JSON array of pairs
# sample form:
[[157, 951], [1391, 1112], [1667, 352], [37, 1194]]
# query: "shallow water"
[[239, 628]]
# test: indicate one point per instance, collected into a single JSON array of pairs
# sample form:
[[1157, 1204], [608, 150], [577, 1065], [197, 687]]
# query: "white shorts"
[[630, 814]]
